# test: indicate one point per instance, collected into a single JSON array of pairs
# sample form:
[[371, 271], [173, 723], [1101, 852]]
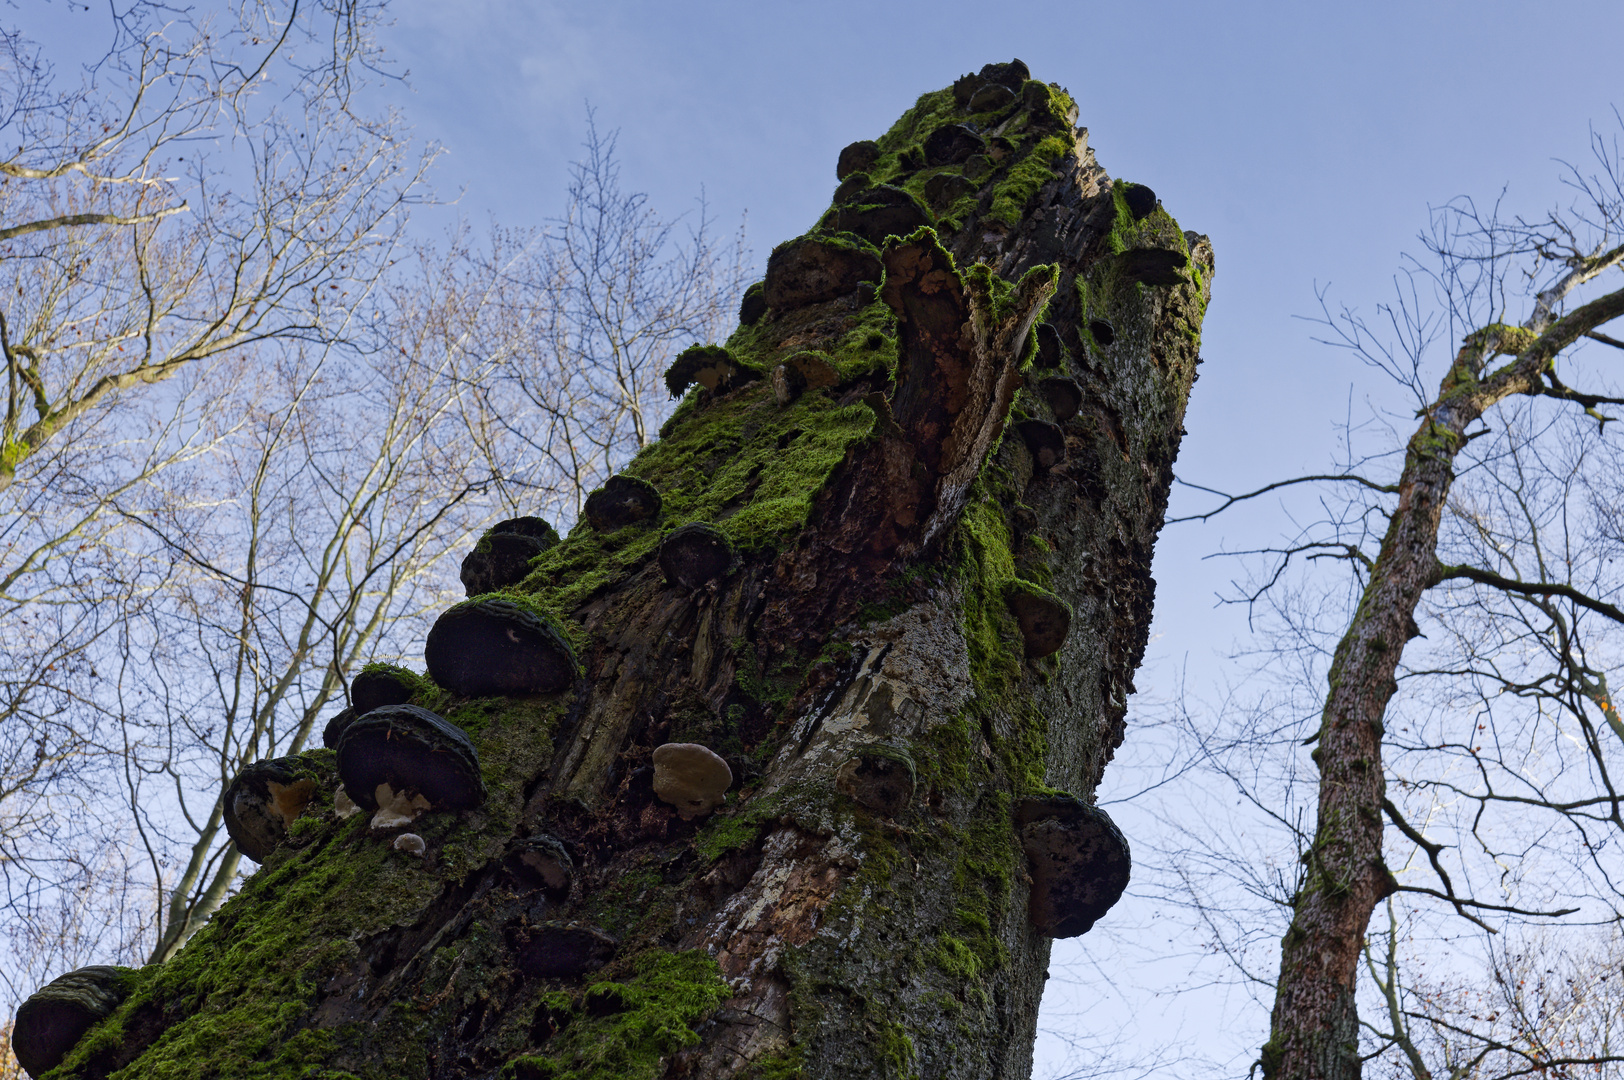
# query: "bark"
[[860, 462], [1314, 1027]]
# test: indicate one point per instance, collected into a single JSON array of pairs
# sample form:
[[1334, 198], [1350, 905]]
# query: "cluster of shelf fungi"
[[398, 761]]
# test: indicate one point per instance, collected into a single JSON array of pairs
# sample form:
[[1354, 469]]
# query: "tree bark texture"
[[1315, 1027], [872, 446]]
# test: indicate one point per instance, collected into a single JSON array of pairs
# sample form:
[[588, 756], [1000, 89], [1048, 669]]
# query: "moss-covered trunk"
[[955, 402]]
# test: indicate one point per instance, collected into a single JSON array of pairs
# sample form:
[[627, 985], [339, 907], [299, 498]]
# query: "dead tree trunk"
[[847, 569]]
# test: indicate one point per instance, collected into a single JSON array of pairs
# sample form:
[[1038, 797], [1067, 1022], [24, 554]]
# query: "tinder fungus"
[[1048, 354], [1153, 266], [753, 305], [402, 760], [334, 730], [802, 372], [991, 97], [1044, 619], [51, 1022], [691, 778], [814, 269], [1046, 441], [502, 556], [881, 778], [411, 844], [945, 189], [879, 212], [1078, 861], [1104, 333], [951, 144], [540, 862], [263, 801], [1064, 396], [490, 646], [561, 950], [709, 366], [622, 501], [695, 555], [856, 158], [378, 685], [1140, 199]]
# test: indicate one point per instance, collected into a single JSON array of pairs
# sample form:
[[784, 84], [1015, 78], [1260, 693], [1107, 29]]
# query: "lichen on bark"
[[880, 519]]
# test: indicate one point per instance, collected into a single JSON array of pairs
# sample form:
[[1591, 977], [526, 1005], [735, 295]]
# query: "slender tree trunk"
[[912, 433], [1315, 1026]]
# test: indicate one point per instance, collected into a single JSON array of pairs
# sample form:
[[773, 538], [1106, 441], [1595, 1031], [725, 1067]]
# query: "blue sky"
[[1307, 139]]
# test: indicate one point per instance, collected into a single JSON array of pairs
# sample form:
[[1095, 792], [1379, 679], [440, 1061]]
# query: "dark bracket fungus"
[[413, 753], [802, 372], [490, 646], [562, 950], [945, 189], [881, 778], [527, 526], [1010, 76], [1048, 353], [1153, 266], [991, 98], [1044, 619], [1140, 199], [816, 268], [691, 778], [1064, 396], [383, 684], [1045, 440], [711, 366], [1103, 332], [623, 500], [879, 212], [540, 862], [696, 555], [856, 158], [1078, 860], [51, 1022], [335, 728], [498, 561], [264, 801], [952, 144], [753, 305]]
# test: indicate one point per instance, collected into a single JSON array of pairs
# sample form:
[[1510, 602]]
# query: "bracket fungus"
[[540, 862], [881, 778], [945, 189], [334, 730], [878, 212], [53, 1020], [856, 158], [562, 950], [263, 800], [411, 844], [1046, 441], [1153, 266], [802, 372], [1048, 352], [1064, 396], [690, 777], [753, 305], [1078, 860], [1044, 619], [402, 760], [1140, 199], [490, 645], [813, 269], [992, 97], [953, 144], [378, 685], [623, 500], [711, 366], [502, 556], [1103, 332], [695, 555]]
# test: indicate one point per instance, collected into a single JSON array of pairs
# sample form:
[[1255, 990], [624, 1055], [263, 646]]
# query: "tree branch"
[[67, 220], [1528, 588]]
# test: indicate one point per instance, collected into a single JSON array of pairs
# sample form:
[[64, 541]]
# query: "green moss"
[[624, 1029], [1026, 178], [727, 466]]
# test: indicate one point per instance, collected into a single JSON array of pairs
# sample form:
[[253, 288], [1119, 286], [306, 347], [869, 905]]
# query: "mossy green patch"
[[624, 1029]]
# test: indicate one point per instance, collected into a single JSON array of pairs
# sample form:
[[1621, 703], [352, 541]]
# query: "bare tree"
[[1482, 786]]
